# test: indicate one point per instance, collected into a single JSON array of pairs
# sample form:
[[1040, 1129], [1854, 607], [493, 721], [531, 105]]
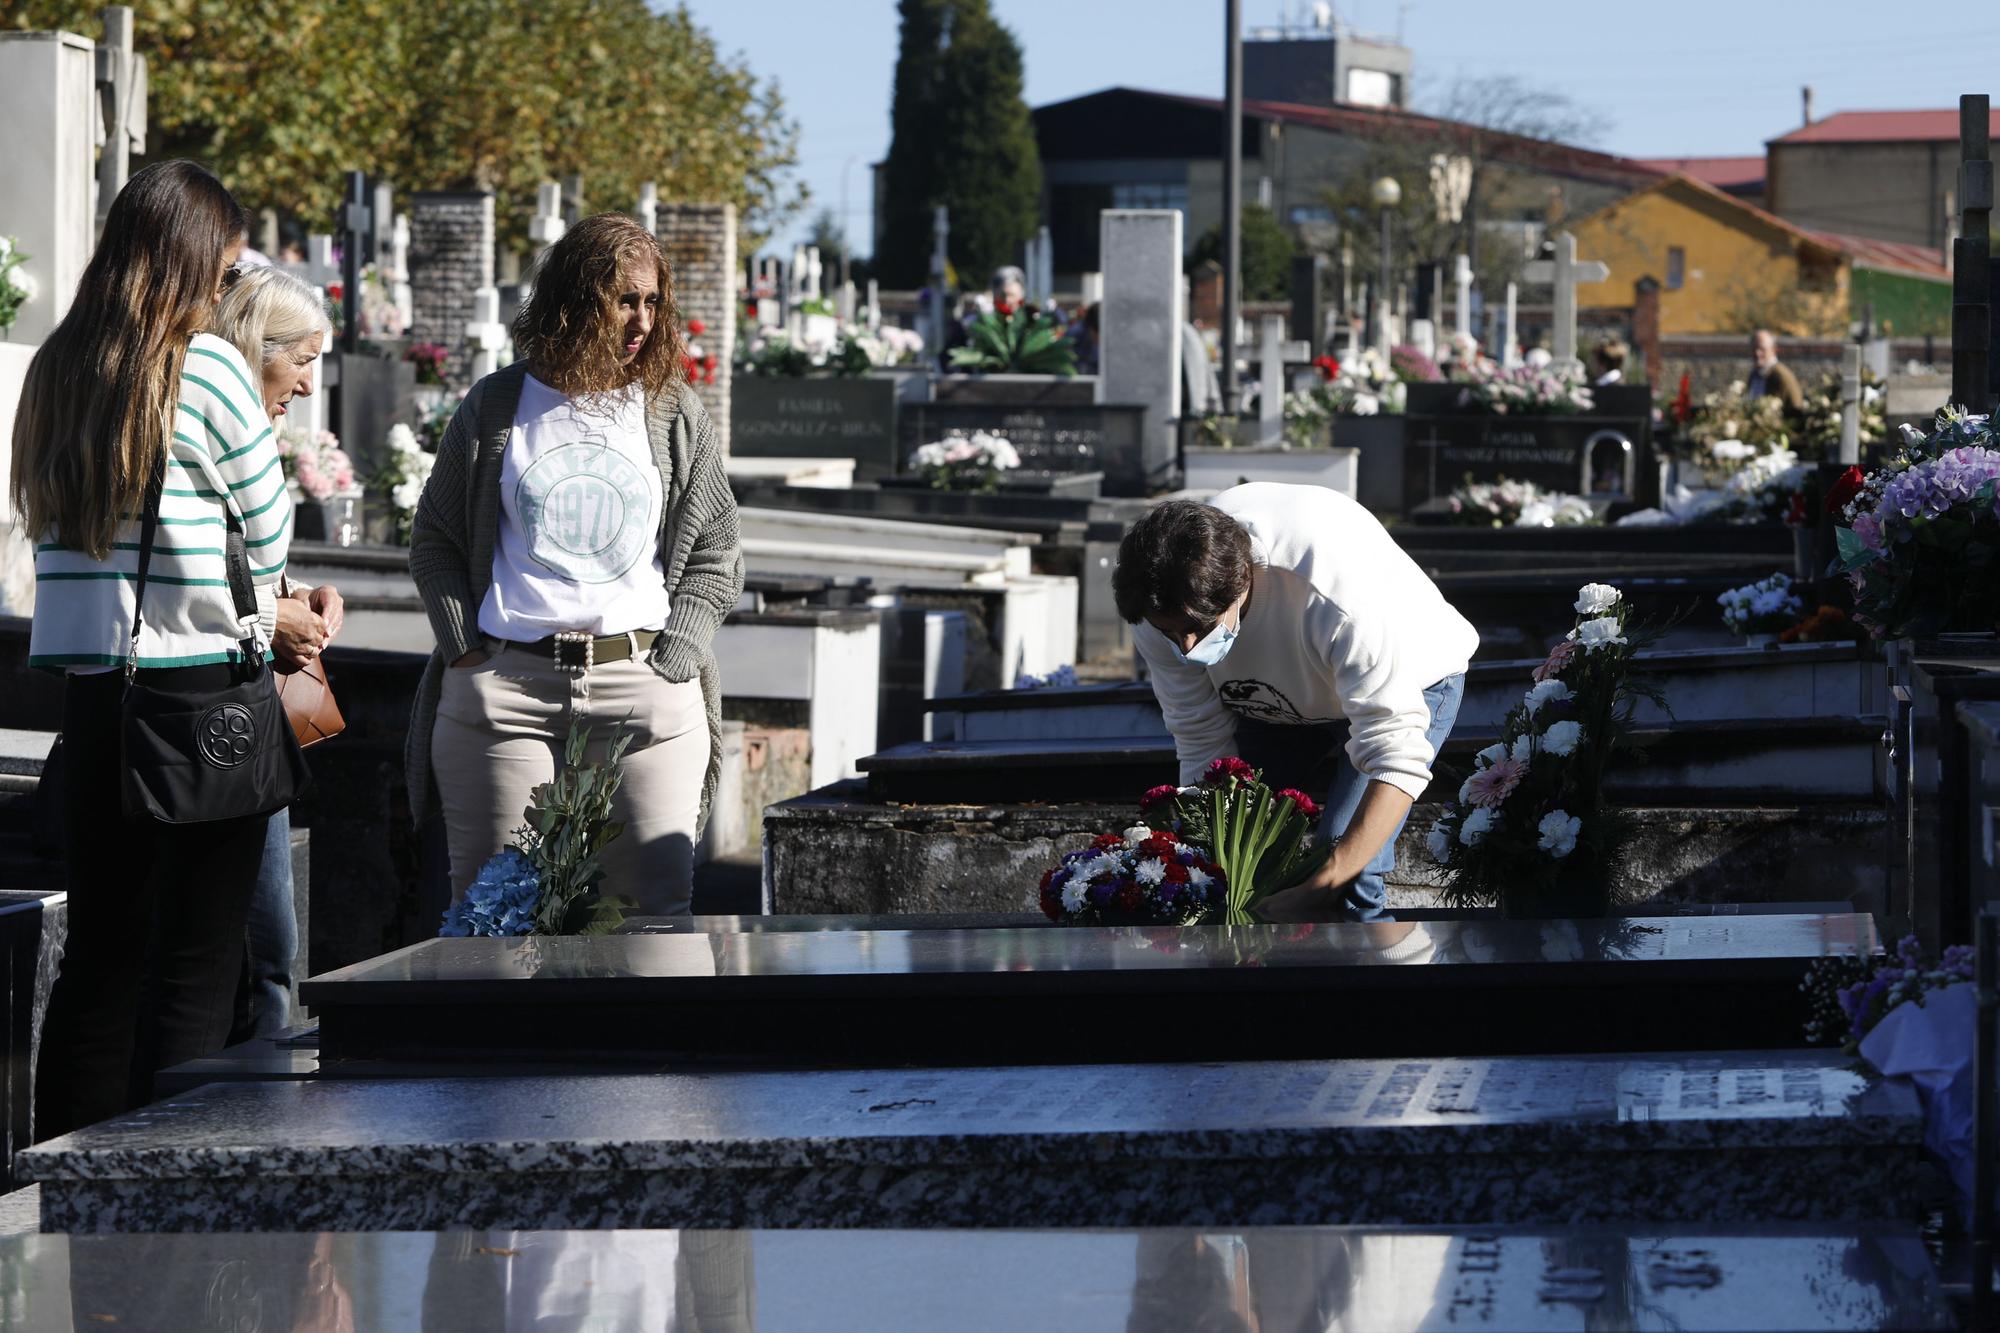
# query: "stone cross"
[[1850, 404], [815, 274], [1042, 278], [1510, 333], [1565, 272], [649, 207], [1461, 278], [382, 221], [485, 335], [396, 270], [874, 304], [1423, 337], [356, 221], [546, 227], [1271, 380], [322, 262], [121, 92], [845, 303]]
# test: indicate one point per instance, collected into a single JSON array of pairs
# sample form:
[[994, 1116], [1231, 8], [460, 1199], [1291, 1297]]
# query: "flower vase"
[[340, 518], [1759, 640]]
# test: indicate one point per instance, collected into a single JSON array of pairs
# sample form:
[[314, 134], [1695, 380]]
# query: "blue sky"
[[1693, 78]]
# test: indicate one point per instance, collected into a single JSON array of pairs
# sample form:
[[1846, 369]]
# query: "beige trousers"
[[500, 731]]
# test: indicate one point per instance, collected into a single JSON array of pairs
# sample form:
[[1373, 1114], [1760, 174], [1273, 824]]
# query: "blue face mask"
[[1214, 646]]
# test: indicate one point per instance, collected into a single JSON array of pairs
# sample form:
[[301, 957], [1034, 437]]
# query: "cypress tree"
[[961, 137]]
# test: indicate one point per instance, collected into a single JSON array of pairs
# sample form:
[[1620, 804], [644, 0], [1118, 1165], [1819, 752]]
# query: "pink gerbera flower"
[[1495, 783], [1559, 657]]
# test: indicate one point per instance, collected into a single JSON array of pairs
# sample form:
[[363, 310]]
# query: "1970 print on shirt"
[[586, 511]]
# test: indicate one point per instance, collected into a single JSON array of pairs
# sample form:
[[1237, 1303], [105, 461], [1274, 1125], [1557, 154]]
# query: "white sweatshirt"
[[1340, 624]]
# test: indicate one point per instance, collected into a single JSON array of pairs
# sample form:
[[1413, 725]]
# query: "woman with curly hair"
[[576, 549]]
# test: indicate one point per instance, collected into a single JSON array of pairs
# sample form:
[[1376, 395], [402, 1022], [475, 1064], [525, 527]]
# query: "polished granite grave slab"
[[1008, 995], [1277, 1279], [1763, 1136]]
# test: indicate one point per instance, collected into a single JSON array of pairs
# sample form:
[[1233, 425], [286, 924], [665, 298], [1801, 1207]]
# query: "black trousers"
[[156, 921]]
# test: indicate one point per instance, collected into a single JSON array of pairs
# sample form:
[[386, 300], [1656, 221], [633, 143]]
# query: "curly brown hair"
[[570, 329]]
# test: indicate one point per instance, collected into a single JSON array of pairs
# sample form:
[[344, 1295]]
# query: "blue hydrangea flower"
[[501, 900]]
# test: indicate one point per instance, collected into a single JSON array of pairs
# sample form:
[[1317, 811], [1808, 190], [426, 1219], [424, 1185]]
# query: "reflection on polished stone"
[[1276, 1280], [857, 952]]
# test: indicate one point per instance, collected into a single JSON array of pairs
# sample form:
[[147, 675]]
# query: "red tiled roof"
[[1364, 122], [1899, 256], [1884, 127], [1724, 173]]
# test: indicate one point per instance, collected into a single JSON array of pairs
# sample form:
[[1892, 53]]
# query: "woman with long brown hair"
[[576, 549], [130, 392]]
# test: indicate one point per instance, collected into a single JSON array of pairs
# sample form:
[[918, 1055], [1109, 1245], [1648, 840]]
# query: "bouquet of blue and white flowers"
[[1768, 606], [548, 880]]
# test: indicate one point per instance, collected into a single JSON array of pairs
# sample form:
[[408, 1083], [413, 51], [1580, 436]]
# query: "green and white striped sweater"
[[221, 453]]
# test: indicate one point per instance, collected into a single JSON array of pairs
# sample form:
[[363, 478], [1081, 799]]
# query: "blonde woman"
[[279, 324], [130, 386], [576, 549]]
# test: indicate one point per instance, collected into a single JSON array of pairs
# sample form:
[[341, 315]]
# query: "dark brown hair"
[[570, 330], [1182, 558], [95, 409]]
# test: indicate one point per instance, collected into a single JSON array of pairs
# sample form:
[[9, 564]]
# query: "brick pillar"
[[450, 258], [1646, 327], [1205, 295], [699, 241]]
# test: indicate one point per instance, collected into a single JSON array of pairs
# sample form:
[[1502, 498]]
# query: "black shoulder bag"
[[194, 756]]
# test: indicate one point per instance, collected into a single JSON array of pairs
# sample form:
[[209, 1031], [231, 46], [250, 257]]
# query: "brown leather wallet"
[[309, 704]]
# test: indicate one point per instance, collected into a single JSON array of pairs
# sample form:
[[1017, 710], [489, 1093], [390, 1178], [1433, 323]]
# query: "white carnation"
[[1490, 756], [1524, 749], [1562, 738], [1465, 792], [1137, 834], [1594, 599], [1473, 831], [1559, 829], [1438, 843], [24, 284], [1544, 693], [1599, 633]]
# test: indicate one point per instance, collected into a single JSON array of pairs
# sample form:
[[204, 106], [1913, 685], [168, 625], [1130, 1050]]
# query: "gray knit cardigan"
[[451, 553]]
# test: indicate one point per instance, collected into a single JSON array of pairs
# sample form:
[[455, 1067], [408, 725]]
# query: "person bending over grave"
[[1284, 625], [576, 549]]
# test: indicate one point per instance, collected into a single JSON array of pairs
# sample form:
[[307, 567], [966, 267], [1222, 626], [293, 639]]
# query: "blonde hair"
[[265, 312], [94, 412]]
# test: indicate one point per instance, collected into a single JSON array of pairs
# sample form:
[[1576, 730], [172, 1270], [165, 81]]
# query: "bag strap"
[[149, 527], [241, 592]]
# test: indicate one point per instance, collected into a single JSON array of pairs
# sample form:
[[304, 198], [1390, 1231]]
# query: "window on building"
[[1676, 267], [1371, 87]]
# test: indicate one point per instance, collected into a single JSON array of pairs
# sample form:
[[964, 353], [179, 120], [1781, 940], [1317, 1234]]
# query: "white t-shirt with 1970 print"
[[579, 540]]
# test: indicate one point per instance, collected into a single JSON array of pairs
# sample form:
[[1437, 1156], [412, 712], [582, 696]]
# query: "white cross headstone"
[[1271, 380], [121, 87], [396, 270], [874, 304], [546, 227], [1423, 337], [1043, 279], [815, 274], [846, 303], [1565, 272], [1461, 278], [1510, 334], [940, 238], [486, 334], [1850, 404], [649, 208]]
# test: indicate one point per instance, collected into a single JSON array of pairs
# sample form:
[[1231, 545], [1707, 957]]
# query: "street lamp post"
[[1387, 193], [1232, 200]]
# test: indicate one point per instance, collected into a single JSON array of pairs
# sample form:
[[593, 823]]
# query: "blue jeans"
[[1315, 756], [271, 935]]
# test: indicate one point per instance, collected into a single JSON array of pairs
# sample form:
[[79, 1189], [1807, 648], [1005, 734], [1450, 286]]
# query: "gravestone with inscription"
[[1603, 454], [783, 417], [1107, 438]]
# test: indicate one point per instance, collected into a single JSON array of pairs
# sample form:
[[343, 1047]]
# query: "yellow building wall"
[[1738, 274]]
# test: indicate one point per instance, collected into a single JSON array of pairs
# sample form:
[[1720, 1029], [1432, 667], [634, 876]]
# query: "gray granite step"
[[1776, 1136], [1650, 1279]]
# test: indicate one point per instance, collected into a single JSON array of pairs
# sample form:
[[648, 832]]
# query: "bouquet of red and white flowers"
[[1258, 837], [1136, 878]]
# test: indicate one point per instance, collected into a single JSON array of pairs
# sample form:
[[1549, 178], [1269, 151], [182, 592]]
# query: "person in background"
[[576, 549], [1770, 376], [1008, 288], [1284, 625], [1082, 333], [278, 323], [1607, 362], [128, 387]]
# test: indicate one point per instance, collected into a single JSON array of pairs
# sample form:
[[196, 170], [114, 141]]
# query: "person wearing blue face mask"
[[1283, 624]]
